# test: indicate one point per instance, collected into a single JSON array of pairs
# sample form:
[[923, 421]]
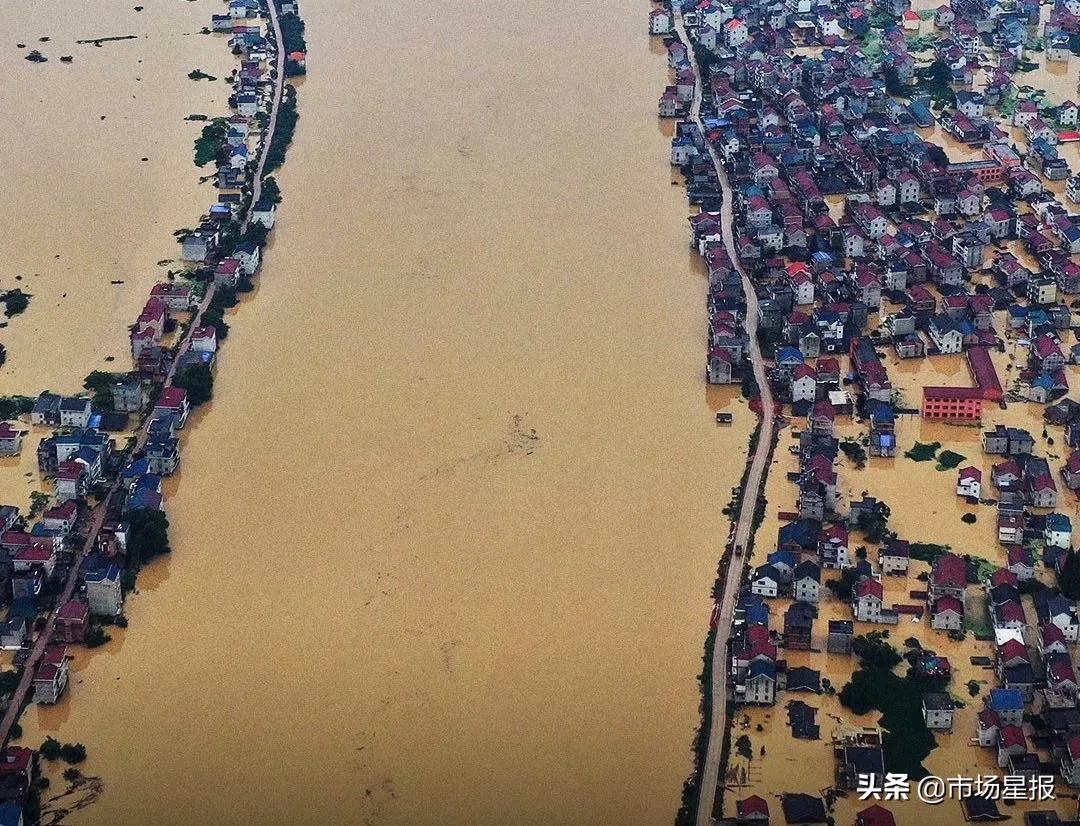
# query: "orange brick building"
[[960, 404]]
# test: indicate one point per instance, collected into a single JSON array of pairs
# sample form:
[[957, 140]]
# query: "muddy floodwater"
[[444, 539]]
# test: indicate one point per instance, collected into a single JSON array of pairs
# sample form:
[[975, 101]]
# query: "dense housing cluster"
[[898, 194]]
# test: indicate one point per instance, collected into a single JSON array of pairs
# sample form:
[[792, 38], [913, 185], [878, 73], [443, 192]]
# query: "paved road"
[[275, 107], [752, 489], [99, 513]]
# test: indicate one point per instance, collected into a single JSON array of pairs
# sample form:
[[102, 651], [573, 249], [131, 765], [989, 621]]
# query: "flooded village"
[[905, 190], [537, 473], [70, 559]]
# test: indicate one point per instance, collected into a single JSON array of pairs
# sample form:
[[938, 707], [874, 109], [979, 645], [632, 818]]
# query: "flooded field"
[[444, 539], [105, 173]]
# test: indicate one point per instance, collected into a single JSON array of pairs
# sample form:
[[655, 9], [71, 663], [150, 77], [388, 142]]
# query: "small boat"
[[723, 418]]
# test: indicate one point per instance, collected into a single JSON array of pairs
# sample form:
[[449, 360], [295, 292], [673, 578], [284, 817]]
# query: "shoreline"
[[159, 388]]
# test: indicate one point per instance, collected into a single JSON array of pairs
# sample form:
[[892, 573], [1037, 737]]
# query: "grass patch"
[[949, 460], [923, 452], [927, 551], [977, 618]]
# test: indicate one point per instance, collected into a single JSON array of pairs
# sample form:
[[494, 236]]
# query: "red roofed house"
[[752, 809], [969, 482], [227, 273], [947, 614], [71, 621], [1071, 471], [51, 677], [16, 773], [868, 600], [952, 403], [173, 400], [1011, 741], [177, 297], [948, 577], [10, 439], [204, 339], [1042, 491]]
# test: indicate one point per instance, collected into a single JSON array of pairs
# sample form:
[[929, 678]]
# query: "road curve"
[[755, 479]]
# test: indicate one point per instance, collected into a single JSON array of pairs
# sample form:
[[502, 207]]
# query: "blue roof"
[[101, 571], [137, 468], [1006, 699], [148, 481], [1058, 522], [789, 353], [783, 558], [757, 615], [10, 814], [758, 667], [1017, 310], [1043, 380]]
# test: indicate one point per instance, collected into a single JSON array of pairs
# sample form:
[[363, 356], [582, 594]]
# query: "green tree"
[[148, 535], [270, 190], [198, 380], [50, 749], [874, 651], [38, 502], [744, 747], [1069, 581]]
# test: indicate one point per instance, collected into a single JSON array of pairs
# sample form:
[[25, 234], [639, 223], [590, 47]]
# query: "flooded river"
[[443, 541]]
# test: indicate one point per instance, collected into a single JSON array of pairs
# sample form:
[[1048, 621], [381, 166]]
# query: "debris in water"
[[116, 282], [66, 58], [36, 57], [138, 8]]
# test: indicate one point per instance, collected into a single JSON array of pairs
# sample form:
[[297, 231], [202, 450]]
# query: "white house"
[[969, 482]]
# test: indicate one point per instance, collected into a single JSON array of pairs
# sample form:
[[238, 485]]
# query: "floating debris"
[[199, 74], [36, 57], [116, 282], [66, 58], [97, 41]]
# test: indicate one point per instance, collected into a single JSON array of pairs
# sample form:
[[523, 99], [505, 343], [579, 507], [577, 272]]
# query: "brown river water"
[[444, 539]]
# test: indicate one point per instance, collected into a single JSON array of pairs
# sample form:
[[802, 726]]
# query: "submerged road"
[[755, 479], [101, 510]]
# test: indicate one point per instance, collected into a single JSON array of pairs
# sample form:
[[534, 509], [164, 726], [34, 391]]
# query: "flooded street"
[[443, 541]]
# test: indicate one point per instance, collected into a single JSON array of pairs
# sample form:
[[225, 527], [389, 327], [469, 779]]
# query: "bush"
[[11, 407], [855, 452], [72, 774], [947, 460], [15, 301], [923, 452], [73, 752], [96, 637], [50, 749]]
